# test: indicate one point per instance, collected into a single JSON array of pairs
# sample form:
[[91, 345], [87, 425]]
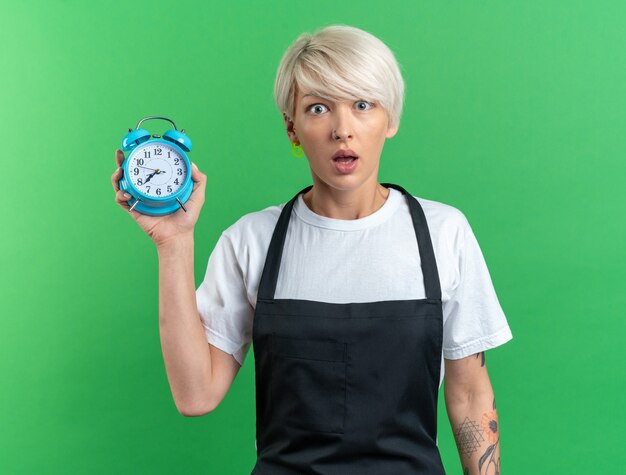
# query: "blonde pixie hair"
[[340, 62]]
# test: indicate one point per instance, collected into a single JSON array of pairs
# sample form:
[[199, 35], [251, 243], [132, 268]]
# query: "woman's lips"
[[344, 152], [345, 164]]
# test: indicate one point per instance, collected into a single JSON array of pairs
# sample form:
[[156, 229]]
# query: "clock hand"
[[156, 172], [149, 177], [146, 168]]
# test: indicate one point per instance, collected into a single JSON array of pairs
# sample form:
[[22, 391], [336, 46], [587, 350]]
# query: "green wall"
[[515, 114]]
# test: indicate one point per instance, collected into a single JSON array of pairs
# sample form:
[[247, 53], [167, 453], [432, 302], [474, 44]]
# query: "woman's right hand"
[[162, 229]]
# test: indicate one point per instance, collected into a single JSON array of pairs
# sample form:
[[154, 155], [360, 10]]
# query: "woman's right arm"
[[199, 374]]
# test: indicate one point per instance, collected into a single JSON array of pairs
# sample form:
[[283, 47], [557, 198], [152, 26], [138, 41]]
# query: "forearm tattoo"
[[469, 436]]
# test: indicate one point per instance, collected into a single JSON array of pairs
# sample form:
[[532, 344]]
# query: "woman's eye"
[[316, 106]]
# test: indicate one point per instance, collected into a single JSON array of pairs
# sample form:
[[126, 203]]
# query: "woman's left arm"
[[471, 407]]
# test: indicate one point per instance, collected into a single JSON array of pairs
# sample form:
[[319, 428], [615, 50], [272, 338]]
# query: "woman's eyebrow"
[[315, 95], [319, 97]]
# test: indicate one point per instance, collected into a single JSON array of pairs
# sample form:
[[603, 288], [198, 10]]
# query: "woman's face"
[[323, 127]]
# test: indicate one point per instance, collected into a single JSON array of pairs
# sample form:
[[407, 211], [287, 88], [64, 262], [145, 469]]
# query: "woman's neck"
[[345, 205]]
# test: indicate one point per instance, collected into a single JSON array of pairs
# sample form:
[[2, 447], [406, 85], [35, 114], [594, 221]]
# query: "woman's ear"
[[391, 131], [289, 125]]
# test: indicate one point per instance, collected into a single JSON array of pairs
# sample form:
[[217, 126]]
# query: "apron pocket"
[[308, 383]]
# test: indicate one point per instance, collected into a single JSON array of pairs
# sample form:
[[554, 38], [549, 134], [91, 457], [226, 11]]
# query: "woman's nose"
[[342, 127]]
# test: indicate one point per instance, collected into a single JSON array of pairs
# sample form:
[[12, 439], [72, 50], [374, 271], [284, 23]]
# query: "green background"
[[514, 114]]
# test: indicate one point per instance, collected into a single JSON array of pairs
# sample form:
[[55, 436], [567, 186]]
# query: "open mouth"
[[344, 160]]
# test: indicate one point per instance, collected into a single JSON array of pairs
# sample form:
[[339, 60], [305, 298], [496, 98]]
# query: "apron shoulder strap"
[[269, 277], [424, 243]]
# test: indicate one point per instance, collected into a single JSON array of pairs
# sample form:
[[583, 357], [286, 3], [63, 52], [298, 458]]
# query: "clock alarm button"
[[134, 138], [179, 139]]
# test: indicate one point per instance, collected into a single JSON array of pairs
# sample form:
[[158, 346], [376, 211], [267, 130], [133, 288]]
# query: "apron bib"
[[348, 388]]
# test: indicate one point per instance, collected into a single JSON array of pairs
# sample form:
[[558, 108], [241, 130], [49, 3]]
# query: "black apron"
[[347, 388]]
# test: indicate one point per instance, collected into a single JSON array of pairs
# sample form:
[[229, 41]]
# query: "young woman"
[[357, 296]]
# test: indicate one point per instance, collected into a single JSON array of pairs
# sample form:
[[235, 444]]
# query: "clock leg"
[[134, 204], [181, 205]]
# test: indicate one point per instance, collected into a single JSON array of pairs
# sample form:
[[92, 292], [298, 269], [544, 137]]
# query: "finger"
[[119, 157], [197, 176], [195, 172], [121, 198], [115, 178], [197, 194]]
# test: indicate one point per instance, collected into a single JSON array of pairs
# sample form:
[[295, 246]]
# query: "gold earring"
[[296, 150]]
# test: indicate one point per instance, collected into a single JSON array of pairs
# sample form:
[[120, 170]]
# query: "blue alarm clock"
[[157, 172]]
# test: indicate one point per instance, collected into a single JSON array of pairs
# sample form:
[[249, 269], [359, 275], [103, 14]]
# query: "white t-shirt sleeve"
[[474, 320], [223, 304]]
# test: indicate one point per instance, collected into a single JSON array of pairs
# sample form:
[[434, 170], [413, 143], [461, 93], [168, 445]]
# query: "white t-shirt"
[[360, 260]]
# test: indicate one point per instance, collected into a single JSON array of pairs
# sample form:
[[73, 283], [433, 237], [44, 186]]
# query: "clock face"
[[157, 169]]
